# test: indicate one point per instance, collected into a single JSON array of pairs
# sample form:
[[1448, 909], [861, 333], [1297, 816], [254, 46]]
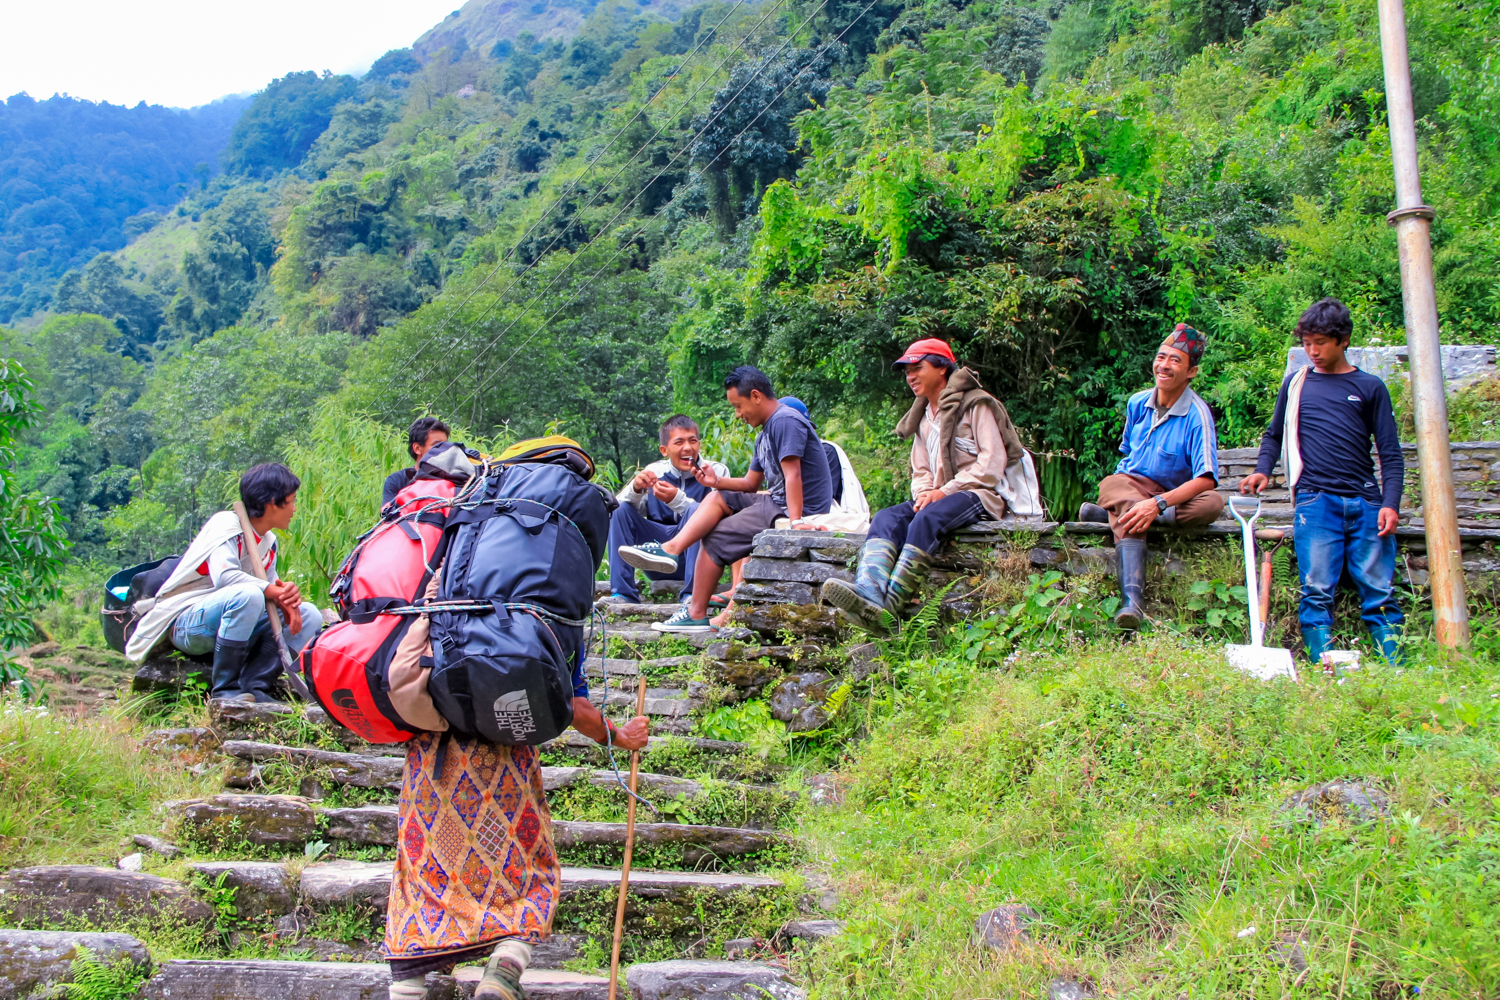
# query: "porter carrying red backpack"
[[495, 565], [347, 667]]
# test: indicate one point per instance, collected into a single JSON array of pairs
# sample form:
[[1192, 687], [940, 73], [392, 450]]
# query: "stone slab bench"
[[789, 566]]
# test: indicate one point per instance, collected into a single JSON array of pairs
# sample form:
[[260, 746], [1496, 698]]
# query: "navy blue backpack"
[[516, 592]]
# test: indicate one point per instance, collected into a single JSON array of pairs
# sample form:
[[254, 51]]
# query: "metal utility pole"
[[1413, 222]]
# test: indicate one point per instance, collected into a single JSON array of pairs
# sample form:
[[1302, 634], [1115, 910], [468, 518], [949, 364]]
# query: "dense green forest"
[[586, 233], [78, 178]]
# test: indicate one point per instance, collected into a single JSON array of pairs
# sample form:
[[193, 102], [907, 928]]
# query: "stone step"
[[32, 961], [376, 825], [363, 771], [635, 634], [290, 821], [246, 979], [641, 635], [614, 612], [596, 667], [670, 703], [649, 784], [342, 883], [573, 739], [356, 770], [696, 843], [710, 978], [58, 894]]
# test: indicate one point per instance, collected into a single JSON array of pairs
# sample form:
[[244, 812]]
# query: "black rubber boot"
[[263, 668], [862, 601], [912, 567], [1093, 514], [1131, 556], [226, 678]]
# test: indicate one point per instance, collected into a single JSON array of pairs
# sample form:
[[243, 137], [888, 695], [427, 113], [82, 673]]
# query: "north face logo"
[[513, 713], [354, 718]]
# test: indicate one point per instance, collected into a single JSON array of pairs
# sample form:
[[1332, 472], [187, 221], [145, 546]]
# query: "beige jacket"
[[979, 456]]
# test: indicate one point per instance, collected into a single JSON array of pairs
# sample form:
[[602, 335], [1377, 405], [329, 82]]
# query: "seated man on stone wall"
[[656, 503], [967, 465], [211, 603], [789, 460], [1169, 471]]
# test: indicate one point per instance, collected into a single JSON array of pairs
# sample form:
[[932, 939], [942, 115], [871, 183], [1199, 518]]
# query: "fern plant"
[[93, 980]]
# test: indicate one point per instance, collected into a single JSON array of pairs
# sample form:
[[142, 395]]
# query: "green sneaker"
[[683, 621], [650, 557]]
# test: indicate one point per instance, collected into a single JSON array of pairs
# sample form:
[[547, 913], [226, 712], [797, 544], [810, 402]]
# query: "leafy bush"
[[1047, 617], [32, 538]]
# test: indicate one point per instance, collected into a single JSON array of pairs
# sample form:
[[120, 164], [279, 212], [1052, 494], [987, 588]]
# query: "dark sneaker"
[[650, 557], [683, 621]]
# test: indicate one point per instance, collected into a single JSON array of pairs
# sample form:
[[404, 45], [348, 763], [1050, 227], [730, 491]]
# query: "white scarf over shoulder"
[[186, 585]]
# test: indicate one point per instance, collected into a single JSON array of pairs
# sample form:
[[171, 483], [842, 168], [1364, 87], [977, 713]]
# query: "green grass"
[[1130, 794], [71, 788]]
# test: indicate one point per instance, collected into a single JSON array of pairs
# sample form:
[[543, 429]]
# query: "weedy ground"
[[1132, 796]]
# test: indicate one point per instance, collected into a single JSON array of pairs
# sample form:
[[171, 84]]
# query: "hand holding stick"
[[271, 609], [635, 769]]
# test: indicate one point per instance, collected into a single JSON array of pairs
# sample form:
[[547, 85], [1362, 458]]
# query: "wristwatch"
[[1161, 505]]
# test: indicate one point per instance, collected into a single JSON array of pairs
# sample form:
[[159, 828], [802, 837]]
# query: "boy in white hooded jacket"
[[211, 602]]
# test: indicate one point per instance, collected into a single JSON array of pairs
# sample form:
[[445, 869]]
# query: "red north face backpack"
[[347, 666]]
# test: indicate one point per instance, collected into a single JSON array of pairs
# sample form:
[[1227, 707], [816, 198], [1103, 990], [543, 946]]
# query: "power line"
[[576, 182], [627, 206], [484, 384]]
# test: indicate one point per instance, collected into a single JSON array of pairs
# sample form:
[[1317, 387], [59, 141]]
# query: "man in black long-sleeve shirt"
[[1326, 416]]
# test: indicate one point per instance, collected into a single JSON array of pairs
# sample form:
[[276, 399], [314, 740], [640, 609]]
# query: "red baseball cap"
[[917, 351]]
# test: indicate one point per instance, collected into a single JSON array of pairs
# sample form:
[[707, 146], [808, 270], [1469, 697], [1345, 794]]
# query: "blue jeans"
[[629, 527], [1333, 534]]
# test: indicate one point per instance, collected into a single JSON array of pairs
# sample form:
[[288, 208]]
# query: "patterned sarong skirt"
[[474, 855]]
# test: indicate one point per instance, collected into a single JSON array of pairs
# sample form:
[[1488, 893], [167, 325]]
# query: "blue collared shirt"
[[1171, 446]]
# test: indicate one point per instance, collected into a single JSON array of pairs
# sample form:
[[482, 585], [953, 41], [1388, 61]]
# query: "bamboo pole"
[[248, 531], [1413, 223], [635, 770]]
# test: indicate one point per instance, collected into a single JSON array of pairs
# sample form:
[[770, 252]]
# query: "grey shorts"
[[734, 537]]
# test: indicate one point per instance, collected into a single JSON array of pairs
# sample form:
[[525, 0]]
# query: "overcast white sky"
[[182, 54]]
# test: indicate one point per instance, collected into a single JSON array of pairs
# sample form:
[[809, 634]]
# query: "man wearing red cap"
[[1169, 471], [967, 464]]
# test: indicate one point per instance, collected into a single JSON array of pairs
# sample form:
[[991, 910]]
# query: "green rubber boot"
[[1387, 640], [912, 568], [861, 602], [1317, 640]]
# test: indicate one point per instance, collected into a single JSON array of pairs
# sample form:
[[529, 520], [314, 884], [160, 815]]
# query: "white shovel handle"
[[1252, 582]]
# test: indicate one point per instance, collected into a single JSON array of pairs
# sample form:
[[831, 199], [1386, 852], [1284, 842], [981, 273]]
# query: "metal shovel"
[[1257, 659]]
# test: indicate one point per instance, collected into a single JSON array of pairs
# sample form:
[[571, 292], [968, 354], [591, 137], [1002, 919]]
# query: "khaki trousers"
[[1120, 492]]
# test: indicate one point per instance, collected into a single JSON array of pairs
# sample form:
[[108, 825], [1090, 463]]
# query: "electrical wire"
[[484, 384], [608, 227]]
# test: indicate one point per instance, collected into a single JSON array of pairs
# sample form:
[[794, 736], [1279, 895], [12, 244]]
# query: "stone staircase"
[[287, 869]]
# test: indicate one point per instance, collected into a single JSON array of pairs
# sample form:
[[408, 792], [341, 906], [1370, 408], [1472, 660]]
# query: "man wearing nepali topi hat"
[[1169, 471]]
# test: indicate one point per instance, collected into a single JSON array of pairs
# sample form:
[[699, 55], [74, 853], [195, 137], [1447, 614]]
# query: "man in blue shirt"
[[1169, 471], [1325, 418]]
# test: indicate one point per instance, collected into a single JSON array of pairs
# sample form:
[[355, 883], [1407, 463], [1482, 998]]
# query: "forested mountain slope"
[[586, 232], [78, 178]]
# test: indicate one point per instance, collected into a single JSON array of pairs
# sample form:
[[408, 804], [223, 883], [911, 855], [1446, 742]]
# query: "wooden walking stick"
[[635, 769], [272, 610]]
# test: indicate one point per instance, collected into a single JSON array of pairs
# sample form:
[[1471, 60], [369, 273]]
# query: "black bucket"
[[115, 615]]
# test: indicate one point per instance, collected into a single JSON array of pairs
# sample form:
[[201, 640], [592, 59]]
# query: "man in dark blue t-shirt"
[[1326, 416], [789, 460]]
